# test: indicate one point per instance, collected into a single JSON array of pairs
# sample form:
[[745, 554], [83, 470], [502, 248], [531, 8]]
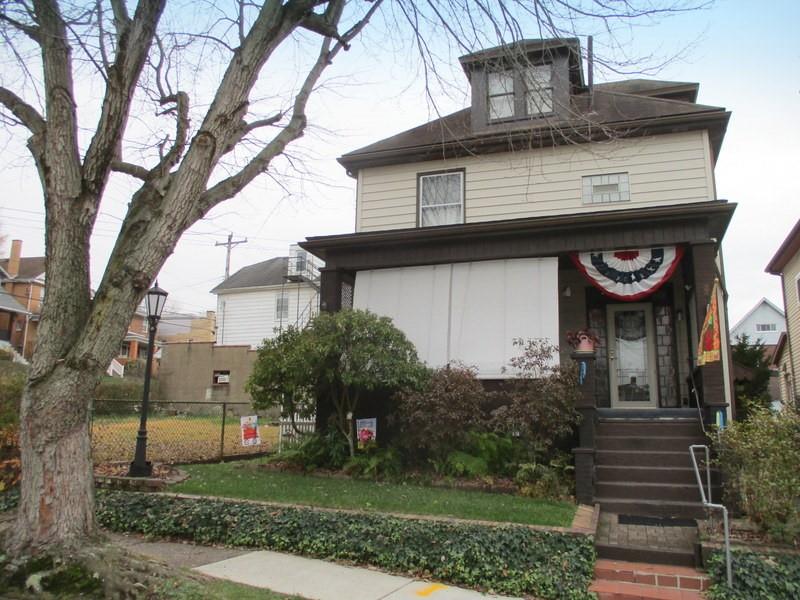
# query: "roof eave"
[[789, 247], [718, 118], [719, 210]]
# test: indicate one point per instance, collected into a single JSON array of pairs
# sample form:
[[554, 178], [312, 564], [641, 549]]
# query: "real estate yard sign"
[[250, 436]]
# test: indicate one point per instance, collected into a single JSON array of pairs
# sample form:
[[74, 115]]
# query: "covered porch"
[[644, 364]]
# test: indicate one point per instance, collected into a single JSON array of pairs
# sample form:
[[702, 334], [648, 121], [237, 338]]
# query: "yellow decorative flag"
[[708, 349]]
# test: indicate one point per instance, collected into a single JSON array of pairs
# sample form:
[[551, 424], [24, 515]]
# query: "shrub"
[[508, 559], [326, 450], [539, 405], [12, 382], [383, 463], [755, 576], [553, 480], [338, 358], [461, 464], [437, 419], [759, 458], [122, 388]]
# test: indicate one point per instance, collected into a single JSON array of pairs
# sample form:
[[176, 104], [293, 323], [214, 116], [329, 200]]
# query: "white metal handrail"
[[708, 504]]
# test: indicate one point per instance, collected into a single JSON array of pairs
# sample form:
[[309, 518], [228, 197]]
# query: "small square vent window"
[[222, 377], [602, 189]]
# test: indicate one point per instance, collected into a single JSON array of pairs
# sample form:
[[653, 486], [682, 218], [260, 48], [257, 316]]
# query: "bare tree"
[[136, 60]]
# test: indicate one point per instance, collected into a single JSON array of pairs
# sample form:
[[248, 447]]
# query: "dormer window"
[[525, 91]]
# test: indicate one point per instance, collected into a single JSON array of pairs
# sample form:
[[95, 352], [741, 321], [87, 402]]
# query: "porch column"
[[711, 377], [584, 453]]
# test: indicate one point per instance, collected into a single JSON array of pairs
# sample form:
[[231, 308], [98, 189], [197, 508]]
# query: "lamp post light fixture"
[[154, 301]]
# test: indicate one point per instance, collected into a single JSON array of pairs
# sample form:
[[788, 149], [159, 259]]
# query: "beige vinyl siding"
[[665, 169], [791, 272]]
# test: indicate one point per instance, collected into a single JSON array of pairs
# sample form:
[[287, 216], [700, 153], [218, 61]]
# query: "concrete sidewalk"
[[295, 575]]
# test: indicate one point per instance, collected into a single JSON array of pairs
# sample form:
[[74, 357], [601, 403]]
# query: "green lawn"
[[217, 589], [247, 481]]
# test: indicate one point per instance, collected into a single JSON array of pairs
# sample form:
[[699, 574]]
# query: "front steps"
[[663, 545], [619, 580], [643, 467]]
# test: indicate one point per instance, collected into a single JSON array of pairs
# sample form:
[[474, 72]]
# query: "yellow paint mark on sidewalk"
[[434, 587]]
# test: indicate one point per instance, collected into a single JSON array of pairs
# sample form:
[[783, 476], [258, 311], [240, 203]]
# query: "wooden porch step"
[[652, 508], [673, 427], [683, 475], [651, 491], [644, 458], [646, 442]]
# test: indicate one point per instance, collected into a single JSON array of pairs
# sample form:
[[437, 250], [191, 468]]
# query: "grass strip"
[[246, 481]]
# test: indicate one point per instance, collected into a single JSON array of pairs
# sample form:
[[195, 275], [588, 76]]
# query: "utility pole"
[[229, 244]]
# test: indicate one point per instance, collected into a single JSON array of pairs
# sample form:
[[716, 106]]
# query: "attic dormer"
[[529, 80]]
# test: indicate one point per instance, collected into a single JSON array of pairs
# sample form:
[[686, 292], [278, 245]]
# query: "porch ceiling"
[[701, 222]]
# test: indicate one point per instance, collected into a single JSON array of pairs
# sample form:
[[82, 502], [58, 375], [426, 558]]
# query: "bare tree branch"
[[229, 187], [27, 115], [30, 30], [131, 169]]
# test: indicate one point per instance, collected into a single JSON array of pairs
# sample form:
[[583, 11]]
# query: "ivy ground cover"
[[506, 559], [248, 481]]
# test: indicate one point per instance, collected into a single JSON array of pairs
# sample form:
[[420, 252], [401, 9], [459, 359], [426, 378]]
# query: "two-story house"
[[22, 280], [254, 304], [786, 264], [551, 205], [259, 301]]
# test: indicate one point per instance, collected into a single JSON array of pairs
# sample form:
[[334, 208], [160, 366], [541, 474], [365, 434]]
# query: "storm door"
[[632, 356]]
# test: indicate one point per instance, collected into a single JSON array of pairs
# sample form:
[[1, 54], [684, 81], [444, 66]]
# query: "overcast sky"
[[744, 54]]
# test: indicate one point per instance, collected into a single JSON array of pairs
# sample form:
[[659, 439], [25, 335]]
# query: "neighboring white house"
[[260, 300], [764, 321]]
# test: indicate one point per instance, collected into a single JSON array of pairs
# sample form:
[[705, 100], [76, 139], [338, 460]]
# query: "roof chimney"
[[13, 260]]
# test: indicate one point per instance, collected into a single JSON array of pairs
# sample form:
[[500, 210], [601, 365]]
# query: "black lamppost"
[[155, 300]]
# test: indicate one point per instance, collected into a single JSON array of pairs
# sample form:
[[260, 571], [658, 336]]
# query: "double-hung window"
[[538, 90], [441, 198], [281, 307], [525, 91]]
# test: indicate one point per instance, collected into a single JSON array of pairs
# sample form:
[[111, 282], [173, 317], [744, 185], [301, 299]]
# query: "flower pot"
[[585, 344]]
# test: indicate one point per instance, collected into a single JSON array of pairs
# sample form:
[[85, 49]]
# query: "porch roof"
[[701, 222]]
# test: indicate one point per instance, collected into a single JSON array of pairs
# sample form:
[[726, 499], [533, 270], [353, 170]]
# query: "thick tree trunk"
[[56, 508]]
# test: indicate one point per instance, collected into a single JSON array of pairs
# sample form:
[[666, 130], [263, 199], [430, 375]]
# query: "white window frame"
[[597, 189], [421, 207], [282, 306], [538, 89], [766, 327]]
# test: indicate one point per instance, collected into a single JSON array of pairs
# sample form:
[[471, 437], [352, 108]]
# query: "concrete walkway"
[[295, 575]]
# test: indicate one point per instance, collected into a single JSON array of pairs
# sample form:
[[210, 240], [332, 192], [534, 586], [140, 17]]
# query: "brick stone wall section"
[[665, 357]]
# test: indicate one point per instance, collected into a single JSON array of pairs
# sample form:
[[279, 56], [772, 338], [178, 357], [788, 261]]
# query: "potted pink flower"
[[582, 340]]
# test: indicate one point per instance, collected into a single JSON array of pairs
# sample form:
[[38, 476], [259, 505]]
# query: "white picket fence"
[[288, 434]]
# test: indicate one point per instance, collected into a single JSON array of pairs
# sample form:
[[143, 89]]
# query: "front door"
[[632, 356]]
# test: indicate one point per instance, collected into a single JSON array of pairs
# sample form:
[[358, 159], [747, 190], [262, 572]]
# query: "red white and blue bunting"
[[629, 274]]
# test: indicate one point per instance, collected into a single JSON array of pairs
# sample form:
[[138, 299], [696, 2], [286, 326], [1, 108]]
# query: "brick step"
[[643, 458], [651, 491], [677, 427], [620, 590], [622, 474], [664, 576], [653, 443], [674, 557], [652, 508]]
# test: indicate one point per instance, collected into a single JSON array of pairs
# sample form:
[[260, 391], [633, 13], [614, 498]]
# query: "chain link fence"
[[177, 432]]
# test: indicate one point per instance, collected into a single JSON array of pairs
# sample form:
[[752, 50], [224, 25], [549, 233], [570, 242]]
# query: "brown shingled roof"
[[451, 135], [30, 267]]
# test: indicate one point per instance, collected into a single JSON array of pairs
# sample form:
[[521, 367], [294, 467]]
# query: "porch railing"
[[709, 505]]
